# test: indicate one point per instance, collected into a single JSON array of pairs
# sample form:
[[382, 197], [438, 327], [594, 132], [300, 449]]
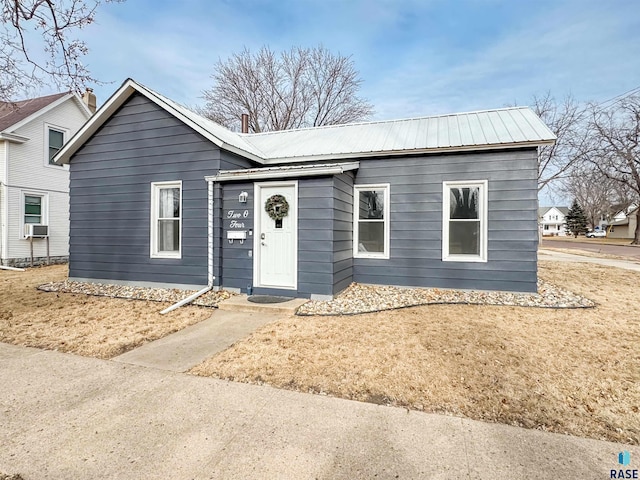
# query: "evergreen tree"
[[576, 220]]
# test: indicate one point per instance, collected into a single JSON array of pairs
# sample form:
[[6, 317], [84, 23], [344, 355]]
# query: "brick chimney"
[[89, 99], [245, 123]]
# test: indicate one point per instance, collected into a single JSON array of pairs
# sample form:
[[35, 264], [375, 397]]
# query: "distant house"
[[624, 223], [33, 189], [552, 221], [162, 196]]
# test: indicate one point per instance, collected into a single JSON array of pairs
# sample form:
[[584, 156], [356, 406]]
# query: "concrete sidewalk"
[[69, 417], [544, 254]]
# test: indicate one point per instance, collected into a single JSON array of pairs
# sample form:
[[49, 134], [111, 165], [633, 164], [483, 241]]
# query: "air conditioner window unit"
[[36, 231]]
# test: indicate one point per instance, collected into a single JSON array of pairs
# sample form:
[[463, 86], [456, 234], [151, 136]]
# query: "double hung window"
[[55, 140], [371, 221], [166, 219], [464, 223]]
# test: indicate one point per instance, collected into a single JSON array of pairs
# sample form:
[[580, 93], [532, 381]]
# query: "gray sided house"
[[162, 196]]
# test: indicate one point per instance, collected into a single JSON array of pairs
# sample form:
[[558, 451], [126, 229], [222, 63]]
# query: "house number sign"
[[235, 218]]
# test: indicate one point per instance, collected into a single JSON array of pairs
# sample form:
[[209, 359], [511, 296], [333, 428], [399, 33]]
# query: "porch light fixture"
[[242, 198]]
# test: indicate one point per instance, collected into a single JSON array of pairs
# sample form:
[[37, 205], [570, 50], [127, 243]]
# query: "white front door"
[[276, 241]]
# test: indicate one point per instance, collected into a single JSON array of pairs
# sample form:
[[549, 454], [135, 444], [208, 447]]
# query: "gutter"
[[210, 276]]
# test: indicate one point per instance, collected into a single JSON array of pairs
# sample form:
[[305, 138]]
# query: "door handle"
[[262, 243]]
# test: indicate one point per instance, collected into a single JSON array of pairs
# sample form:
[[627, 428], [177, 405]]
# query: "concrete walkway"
[[187, 348], [70, 417]]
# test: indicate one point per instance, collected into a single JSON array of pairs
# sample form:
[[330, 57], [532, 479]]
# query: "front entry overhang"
[[277, 173]]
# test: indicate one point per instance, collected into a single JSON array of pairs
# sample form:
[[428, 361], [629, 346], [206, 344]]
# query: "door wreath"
[[276, 207]]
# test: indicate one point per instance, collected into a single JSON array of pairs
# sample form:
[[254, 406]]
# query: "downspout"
[[210, 276]]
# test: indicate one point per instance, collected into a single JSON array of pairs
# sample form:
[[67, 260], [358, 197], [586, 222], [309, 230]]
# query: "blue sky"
[[415, 57]]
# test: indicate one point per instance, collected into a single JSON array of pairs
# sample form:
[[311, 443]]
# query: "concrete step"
[[240, 303]]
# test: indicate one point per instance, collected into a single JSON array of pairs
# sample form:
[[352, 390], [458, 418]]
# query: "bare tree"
[[599, 196], [302, 87], [35, 46], [568, 121], [616, 130]]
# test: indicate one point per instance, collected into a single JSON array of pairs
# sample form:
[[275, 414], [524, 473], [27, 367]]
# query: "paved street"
[[594, 245]]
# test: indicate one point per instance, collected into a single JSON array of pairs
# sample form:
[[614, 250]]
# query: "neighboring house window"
[[371, 221], [34, 209], [166, 219], [546, 227], [464, 232], [55, 140]]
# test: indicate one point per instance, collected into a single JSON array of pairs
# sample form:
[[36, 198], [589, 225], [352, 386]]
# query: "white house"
[[624, 223], [33, 189], [552, 220]]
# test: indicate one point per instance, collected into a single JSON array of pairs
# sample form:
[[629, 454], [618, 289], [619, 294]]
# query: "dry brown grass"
[[568, 371], [92, 326]]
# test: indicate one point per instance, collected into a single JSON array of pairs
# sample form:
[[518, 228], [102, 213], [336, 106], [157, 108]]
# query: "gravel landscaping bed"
[[173, 295], [358, 298]]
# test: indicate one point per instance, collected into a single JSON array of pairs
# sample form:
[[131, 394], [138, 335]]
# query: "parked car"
[[596, 234]]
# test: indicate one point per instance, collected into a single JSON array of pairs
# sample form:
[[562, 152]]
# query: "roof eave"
[[128, 88], [418, 151], [12, 137]]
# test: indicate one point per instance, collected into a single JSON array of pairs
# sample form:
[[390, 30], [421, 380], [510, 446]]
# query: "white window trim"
[[484, 230], [153, 232], [65, 137], [44, 209], [387, 220]]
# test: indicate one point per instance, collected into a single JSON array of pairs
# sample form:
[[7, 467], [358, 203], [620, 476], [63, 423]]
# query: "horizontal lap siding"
[[343, 228], [416, 221], [315, 239], [237, 258], [315, 236], [110, 196]]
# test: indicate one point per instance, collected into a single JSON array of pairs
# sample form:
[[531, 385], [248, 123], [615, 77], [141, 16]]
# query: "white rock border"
[[359, 298], [172, 295]]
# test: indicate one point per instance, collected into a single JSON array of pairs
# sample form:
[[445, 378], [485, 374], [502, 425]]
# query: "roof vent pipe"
[[245, 123]]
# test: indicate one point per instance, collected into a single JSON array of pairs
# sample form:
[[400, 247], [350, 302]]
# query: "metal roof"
[[462, 131], [507, 127]]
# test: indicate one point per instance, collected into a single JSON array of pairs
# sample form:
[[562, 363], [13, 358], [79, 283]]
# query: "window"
[[55, 140], [464, 232], [34, 209], [166, 219], [371, 221]]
